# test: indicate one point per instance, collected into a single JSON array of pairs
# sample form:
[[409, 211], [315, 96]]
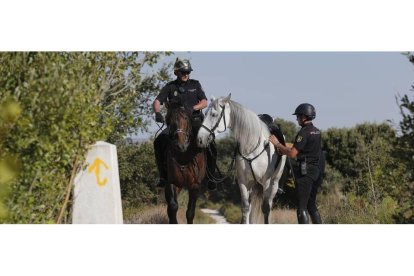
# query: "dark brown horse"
[[186, 162]]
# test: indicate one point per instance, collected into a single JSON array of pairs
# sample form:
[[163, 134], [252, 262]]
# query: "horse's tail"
[[256, 198], [285, 175]]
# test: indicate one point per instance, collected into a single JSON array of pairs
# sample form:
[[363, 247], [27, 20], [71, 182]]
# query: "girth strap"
[[250, 160]]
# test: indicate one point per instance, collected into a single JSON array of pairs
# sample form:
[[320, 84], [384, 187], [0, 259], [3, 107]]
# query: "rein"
[[210, 176], [217, 180], [159, 128]]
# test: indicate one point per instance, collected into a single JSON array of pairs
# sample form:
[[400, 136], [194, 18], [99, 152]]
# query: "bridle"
[[222, 115], [180, 130]]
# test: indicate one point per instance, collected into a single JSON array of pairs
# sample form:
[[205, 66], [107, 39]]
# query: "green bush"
[[10, 111], [68, 101], [333, 181], [137, 173], [354, 209], [365, 157]]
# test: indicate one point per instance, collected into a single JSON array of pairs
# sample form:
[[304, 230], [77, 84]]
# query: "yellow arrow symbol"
[[96, 167]]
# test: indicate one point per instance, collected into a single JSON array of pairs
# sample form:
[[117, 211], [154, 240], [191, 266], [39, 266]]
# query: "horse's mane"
[[246, 126]]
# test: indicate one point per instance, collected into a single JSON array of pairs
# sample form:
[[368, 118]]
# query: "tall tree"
[[407, 126], [406, 153]]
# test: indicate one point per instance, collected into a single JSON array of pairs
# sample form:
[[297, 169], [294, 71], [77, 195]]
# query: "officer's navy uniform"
[[308, 174], [188, 93]]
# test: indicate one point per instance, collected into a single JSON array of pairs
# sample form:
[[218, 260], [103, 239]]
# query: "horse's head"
[[217, 120], [179, 122]]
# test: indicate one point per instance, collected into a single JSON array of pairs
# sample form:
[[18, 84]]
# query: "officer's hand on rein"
[[159, 118]]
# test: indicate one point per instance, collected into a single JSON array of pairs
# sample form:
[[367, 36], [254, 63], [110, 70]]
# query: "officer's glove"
[[159, 118]]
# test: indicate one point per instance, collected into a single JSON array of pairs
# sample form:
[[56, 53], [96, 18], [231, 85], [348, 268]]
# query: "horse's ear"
[[227, 99], [213, 98]]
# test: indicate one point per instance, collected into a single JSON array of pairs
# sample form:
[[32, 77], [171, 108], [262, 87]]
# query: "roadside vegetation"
[[54, 105]]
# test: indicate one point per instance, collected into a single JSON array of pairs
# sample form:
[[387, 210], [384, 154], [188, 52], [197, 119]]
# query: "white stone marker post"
[[97, 192]]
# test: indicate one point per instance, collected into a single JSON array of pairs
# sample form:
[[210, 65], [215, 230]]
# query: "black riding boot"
[[316, 217], [160, 146], [302, 217]]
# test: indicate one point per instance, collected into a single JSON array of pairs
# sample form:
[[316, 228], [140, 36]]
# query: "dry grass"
[[232, 213], [333, 208], [157, 214], [151, 215], [283, 216]]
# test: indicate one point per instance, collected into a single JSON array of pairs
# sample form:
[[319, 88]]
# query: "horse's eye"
[[213, 114]]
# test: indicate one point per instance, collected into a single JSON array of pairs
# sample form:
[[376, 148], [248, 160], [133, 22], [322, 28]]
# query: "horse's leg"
[[266, 211], [270, 191], [245, 203], [268, 195], [172, 203], [192, 200]]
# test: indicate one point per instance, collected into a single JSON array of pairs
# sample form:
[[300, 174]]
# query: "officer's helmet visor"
[[185, 72]]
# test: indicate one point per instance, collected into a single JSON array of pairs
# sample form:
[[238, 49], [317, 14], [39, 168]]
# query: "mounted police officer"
[[190, 93], [308, 173]]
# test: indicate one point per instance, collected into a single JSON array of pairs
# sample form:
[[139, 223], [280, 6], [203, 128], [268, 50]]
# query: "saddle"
[[273, 128]]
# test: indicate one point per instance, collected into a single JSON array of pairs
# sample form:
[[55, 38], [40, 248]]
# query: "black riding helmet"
[[182, 65], [306, 109]]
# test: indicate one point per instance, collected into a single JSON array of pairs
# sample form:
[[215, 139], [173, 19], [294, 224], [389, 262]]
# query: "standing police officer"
[[308, 174], [190, 93]]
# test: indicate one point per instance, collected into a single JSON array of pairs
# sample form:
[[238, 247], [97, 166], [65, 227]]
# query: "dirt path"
[[214, 214]]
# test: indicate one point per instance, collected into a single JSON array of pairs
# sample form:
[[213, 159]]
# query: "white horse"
[[256, 161]]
